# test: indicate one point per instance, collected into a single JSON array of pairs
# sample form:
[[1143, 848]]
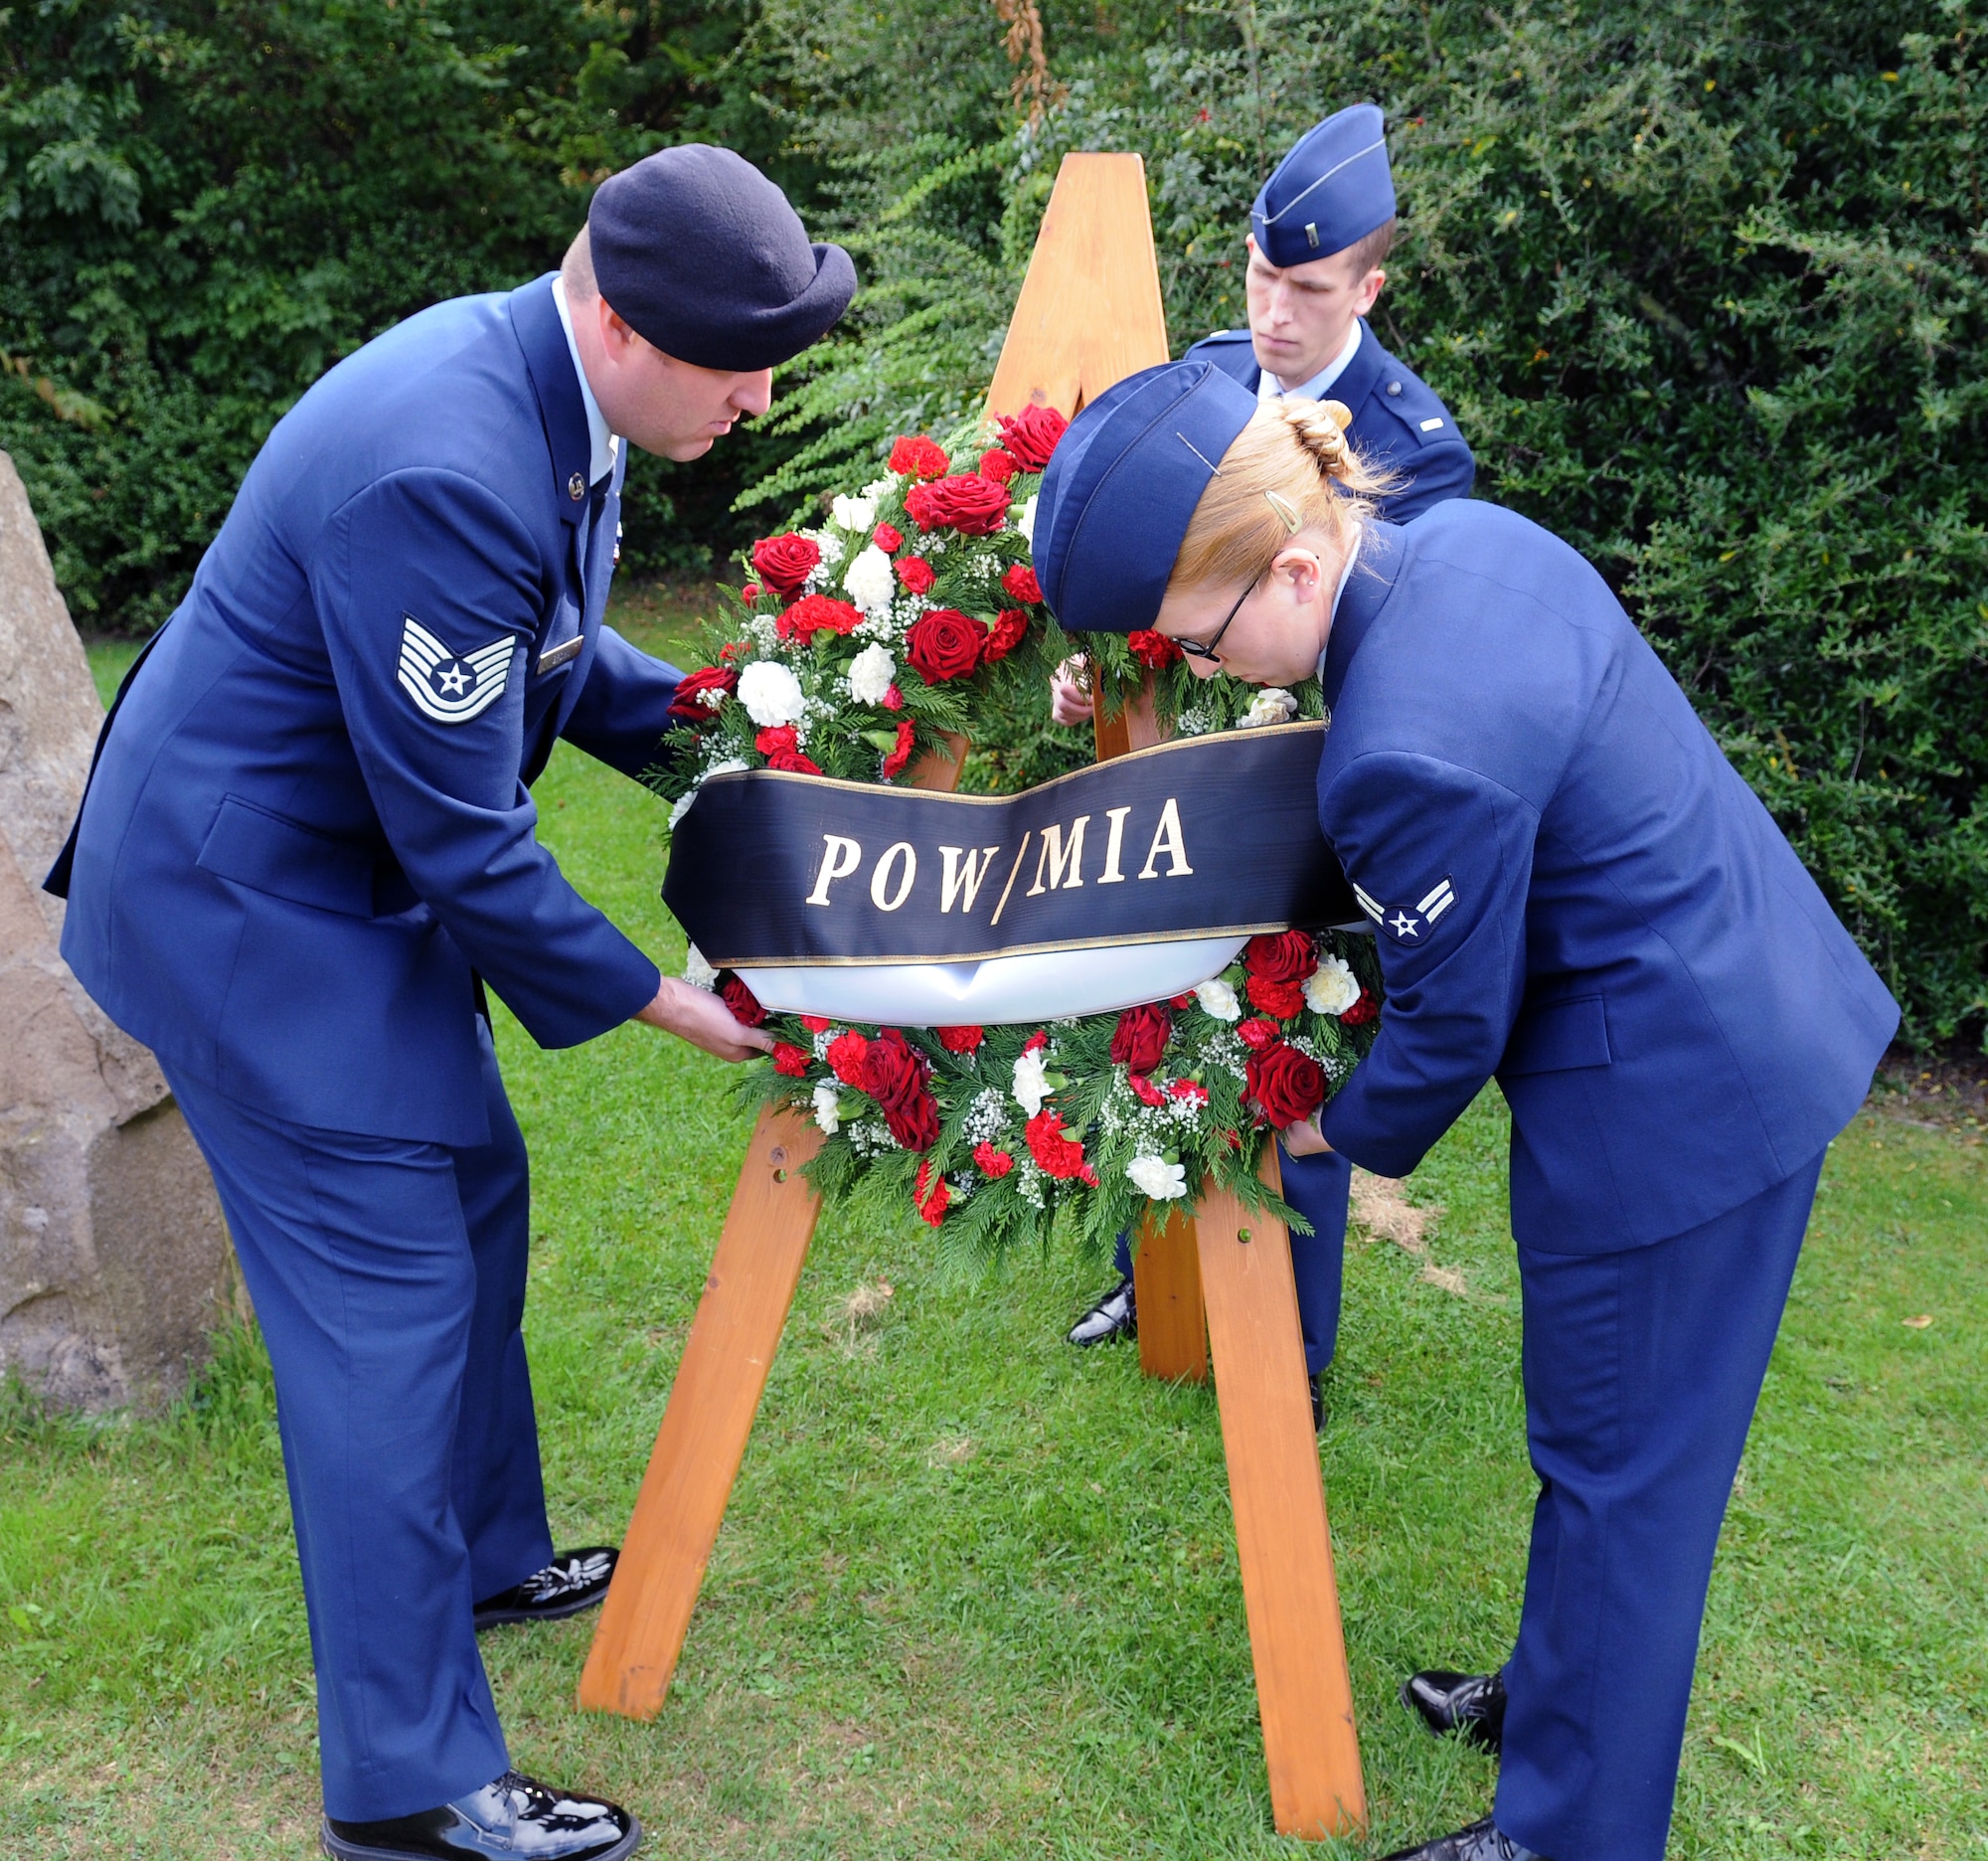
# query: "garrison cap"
[[1330, 191], [701, 254], [1122, 487]]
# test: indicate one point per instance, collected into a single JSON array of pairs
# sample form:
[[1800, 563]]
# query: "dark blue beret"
[[1122, 487], [1330, 191], [702, 255]]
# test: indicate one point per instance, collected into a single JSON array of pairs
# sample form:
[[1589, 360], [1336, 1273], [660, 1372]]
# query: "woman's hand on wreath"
[[700, 1017], [1070, 693], [1306, 1139]]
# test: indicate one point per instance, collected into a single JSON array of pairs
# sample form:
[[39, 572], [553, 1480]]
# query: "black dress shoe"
[[1319, 1412], [572, 1582], [513, 1819], [1116, 1314], [1479, 1842], [1470, 1706]]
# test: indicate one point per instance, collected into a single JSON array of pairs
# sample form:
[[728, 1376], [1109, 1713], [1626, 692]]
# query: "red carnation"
[[844, 1055], [893, 764], [1011, 627], [1192, 1091], [1056, 1153], [1363, 1011], [946, 645], [1182, 1001], [744, 1005], [1287, 956], [784, 562], [687, 703], [816, 1024], [1035, 1042], [997, 465], [888, 540], [1258, 1034], [1145, 1090], [992, 1163], [816, 613], [1288, 1084], [969, 503], [920, 457], [1032, 435], [1141, 1036], [1153, 648], [1282, 999], [916, 575], [776, 738], [749, 593], [962, 1040], [795, 762], [929, 1199], [893, 1074], [893, 699], [1019, 581], [792, 1061]]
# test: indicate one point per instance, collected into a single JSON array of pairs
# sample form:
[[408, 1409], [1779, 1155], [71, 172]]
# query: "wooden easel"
[[1090, 313]]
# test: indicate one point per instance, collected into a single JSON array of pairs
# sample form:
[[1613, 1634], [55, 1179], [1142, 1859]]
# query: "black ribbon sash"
[[1205, 836]]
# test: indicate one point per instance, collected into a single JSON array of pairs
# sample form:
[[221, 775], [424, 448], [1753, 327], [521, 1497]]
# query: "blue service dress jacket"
[[311, 826], [1398, 419], [1575, 892]]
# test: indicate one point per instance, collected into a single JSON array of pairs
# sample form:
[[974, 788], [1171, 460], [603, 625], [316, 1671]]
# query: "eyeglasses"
[[1195, 650]]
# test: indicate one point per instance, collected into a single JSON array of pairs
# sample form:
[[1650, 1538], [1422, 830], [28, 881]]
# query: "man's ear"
[[1369, 290]]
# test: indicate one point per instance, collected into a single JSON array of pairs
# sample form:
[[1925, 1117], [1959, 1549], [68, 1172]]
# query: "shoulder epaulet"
[[1413, 404], [1225, 335]]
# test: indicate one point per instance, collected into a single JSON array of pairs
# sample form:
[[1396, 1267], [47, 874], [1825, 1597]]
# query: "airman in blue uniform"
[[1320, 232], [1573, 894], [309, 844]]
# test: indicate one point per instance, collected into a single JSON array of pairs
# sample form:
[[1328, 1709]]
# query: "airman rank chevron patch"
[[451, 688], [1410, 923]]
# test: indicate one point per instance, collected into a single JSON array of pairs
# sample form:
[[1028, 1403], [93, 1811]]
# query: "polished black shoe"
[[1479, 1842], [514, 1818], [1469, 1706], [572, 1582], [1116, 1314], [1319, 1412]]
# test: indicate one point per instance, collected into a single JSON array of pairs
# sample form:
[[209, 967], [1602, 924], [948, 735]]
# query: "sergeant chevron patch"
[[452, 687]]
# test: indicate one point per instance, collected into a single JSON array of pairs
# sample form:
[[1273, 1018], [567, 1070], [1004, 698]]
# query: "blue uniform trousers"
[[388, 1280], [1317, 1187], [1642, 1369]]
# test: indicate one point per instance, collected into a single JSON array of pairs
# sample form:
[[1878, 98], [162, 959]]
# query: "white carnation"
[[1156, 1178], [1031, 1086], [870, 582], [1269, 707], [1219, 999], [869, 675], [697, 973], [771, 694], [828, 1109], [853, 513], [1331, 988], [1024, 519]]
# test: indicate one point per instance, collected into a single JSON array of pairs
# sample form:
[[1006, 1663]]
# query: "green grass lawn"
[[977, 1593]]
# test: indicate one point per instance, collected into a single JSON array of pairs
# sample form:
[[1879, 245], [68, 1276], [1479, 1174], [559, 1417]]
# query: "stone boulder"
[[114, 1263]]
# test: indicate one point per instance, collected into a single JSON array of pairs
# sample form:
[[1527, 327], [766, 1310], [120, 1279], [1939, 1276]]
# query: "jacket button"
[[1393, 387], [575, 486]]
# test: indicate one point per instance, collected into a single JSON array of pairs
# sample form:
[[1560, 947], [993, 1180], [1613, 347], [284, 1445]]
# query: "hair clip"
[[1198, 452], [1286, 511]]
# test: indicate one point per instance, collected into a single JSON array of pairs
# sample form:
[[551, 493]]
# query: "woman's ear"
[[1302, 567]]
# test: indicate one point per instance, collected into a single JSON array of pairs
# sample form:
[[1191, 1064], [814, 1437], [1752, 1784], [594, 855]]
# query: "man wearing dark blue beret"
[[307, 846]]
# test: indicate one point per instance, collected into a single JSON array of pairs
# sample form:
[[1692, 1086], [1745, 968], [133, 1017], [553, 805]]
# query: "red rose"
[[893, 699], [749, 593], [1145, 1090], [920, 457], [929, 1198], [744, 1005], [961, 1039], [969, 503], [1019, 581], [1288, 1084], [888, 540], [1153, 648], [1032, 435], [893, 764], [776, 738], [784, 562], [997, 465], [795, 762], [816, 1024], [1282, 999], [1055, 1154], [1141, 1036], [844, 1055], [792, 1061], [1363, 1011], [816, 613], [1011, 627], [1189, 1090], [1258, 1034], [1289, 957], [916, 575], [992, 1163], [946, 645], [893, 1074], [687, 702]]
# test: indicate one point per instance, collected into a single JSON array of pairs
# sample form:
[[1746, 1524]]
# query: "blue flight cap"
[[1330, 191], [702, 255], [1122, 487]]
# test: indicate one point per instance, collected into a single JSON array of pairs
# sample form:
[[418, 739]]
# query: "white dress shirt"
[[604, 444], [1270, 388]]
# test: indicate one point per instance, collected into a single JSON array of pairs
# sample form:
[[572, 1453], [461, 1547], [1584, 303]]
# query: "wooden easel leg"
[[1173, 1325], [1283, 1544], [706, 1423]]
